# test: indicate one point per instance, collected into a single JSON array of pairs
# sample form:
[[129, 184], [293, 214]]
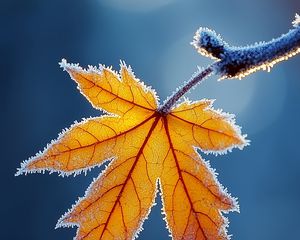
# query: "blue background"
[[38, 100]]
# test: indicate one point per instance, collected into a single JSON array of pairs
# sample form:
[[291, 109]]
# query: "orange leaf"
[[147, 150]]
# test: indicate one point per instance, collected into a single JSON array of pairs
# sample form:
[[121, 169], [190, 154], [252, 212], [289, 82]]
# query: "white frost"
[[296, 22]]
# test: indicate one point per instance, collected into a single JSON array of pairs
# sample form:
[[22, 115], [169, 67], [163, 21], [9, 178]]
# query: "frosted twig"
[[237, 62]]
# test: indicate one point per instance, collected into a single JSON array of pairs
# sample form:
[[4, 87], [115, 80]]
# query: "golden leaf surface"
[[148, 152]]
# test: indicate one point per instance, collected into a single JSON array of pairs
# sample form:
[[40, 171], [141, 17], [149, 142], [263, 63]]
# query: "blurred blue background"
[[38, 100]]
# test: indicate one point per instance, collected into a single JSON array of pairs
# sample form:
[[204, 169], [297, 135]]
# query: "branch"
[[237, 62]]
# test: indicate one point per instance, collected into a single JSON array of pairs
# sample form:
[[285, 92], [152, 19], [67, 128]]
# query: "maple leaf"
[[147, 150]]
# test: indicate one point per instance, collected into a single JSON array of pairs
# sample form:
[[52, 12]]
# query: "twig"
[[237, 62]]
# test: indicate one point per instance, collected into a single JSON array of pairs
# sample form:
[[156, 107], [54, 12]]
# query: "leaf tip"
[[69, 66], [62, 224], [64, 64], [20, 171], [244, 142], [23, 169], [124, 65], [235, 204], [65, 220]]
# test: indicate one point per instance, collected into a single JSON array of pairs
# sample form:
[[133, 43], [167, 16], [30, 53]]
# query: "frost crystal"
[[296, 22]]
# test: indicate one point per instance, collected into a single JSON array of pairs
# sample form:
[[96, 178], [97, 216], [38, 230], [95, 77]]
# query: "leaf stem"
[[169, 103]]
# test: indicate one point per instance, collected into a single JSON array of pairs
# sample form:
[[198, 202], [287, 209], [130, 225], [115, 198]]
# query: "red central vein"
[[110, 92], [107, 139], [143, 122], [129, 174], [180, 175]]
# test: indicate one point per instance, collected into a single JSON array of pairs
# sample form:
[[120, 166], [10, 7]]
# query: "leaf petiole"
[[170, 102]]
